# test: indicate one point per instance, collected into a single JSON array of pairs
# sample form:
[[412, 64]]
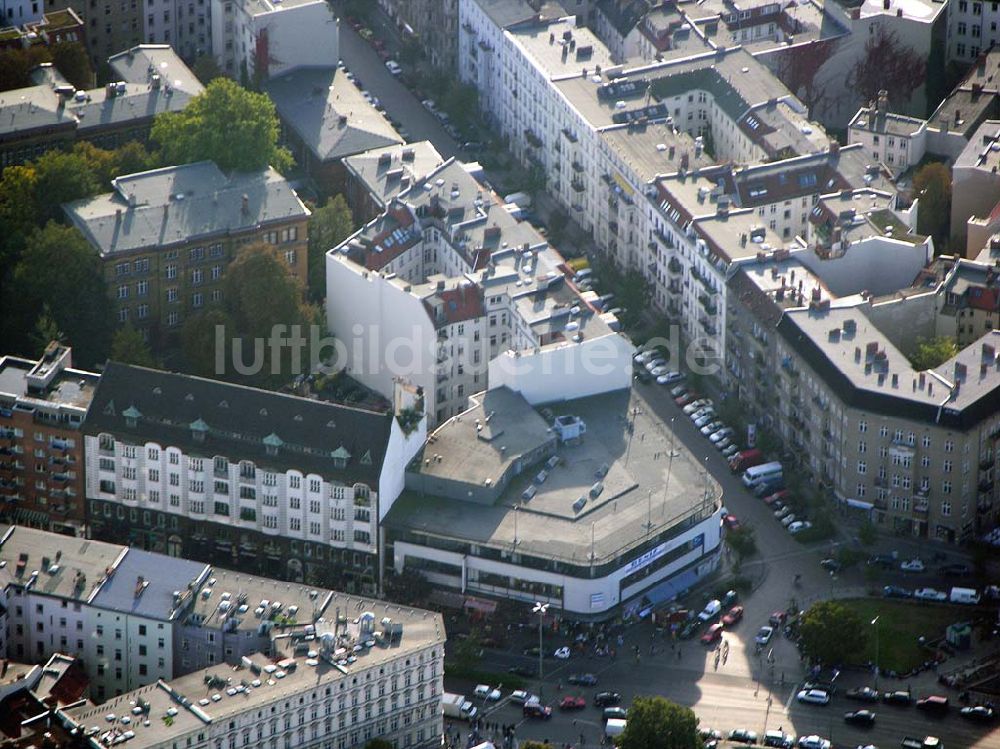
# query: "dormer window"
[[198, 430], [340, 457], [132, 416], [272, 443]]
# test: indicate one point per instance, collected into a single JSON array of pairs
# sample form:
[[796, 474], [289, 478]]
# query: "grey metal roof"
[[179, 203], [327, 112], [152, 596], [238, 419]]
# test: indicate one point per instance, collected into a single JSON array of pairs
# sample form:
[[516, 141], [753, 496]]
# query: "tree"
[[467, 652], [932, 187], [328, 227], [70, 59], [59, 276], [867, 534], [658, 723], [18, 210], [206, 69], [235, 128], [62, 178], [798, 68], [46, 330], [832, 633], [887, 65], [933, 352], [16, 64], [129, 347], [262, 301], [558, 221], [743, 544]]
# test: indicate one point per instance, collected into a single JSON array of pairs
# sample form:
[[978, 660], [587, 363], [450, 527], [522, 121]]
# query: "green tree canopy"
[[742, 542], [259, 293], [234, 127], [70, 59], [59, 276], [658, 723], [932, 187], [832, 633], [206, 69], [63, 177], [933, 352], [328, 227], [129, 347]]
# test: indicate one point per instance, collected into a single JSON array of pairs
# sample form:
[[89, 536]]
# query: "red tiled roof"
[[400, 219], [464, 302]]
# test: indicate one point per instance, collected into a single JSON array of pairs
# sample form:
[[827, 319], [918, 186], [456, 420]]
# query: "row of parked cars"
[[766, 480]]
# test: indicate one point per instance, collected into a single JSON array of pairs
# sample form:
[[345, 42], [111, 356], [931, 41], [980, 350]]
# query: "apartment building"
[[49, 29], [50, 113], [42, 408], [448, 291], [433, 24], [110, 26], [31, 698], [165, 237], [824, 370], [149, 629], [185, 25], [290, 487], [975, 181], [972, 27], [894, 140], [325, 119], [261, 39], [376, 176]]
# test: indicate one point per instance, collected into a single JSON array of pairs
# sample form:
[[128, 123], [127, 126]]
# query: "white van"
[[614, 727], [756, 474], [964, 595]]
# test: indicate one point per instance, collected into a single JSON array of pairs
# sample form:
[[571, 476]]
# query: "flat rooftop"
[[71, 387], [561, 48], [385, 172], [652, 150], [886, 122], [983, 150], [650, 477], [922, 11]]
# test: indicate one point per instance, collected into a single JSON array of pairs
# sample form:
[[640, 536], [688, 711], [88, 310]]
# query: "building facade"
[[289, 487], [165, 259], [42, 408]]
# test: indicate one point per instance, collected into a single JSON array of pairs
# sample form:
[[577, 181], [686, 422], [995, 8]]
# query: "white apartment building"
[[262, 39], [20, 12], [291, 487], [440, 288], [895, 140], [972, 28], [185, 25]]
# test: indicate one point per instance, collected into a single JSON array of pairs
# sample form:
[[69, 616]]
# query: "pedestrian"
[[678, 653]]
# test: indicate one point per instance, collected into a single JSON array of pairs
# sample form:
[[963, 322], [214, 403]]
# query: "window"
[[946, 487], [291, 256], [197, 276], [946, 509], [862, 467], [862, 447], [142, 311], [294, 524], [197, 300], [171, 271], [216, 272], [123, 291], [947, 466], [862, 426], [926, 441], [949, 446]]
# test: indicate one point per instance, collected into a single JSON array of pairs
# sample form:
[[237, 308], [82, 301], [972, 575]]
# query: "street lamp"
[[540, 609], [874, 623]]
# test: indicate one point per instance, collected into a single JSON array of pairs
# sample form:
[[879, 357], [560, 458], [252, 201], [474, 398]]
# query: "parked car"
[[934, 704], [704, 419], [712, 609], [782, 511], [864, 718], [486, 692], [584, 680], [769, 486], [690, 408], [826, 686], [898, 698], [979, 713], [728, 451], [788, 519], [764, 635], [657, 363], [814, 742], [912, 565], [886, 561], [955, 570], [562, 653], [614, 713], [535, 709], [731, 522], [679, 390], [782, 495], [798, 526], [777, 618], [779, 739], [607, 699], [831, 565], [711, 428], [724, 444], [930, 594], [430, 105], [520, 696], [571, 702], [813, 697], [671, 377], [895, 591], [393, 67], [733, 616], [743, 736], [862, 694], [713, 633], [722, 434]]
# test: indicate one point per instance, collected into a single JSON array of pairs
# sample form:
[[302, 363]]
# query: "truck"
[[522, 199], [928, 742], [964, 595], [457, 706]]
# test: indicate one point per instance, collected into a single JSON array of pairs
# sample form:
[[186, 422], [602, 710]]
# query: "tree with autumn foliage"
[[798, 68]]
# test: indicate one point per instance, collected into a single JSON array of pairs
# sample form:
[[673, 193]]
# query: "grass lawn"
[[900, 624]]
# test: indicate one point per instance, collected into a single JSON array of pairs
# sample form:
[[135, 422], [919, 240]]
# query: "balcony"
[[921, 508], [577, 185], [577, 166], [708, 326], [675, 267], [986, 485], [707, 304], [533, 140], [665, 240], [674, 287], [570, 135]]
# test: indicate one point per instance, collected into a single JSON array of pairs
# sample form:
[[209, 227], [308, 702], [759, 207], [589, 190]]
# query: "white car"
[[485, 691], [562, 653], [703, 420], [813, 697], [930, 594], [367, 96], [659, 371], [520, 696], [798, 526], [712, 609], [814, 742], [721, 434], [764, 635], [393, 67], [657, 363], [729, 450], [782, 512], [671, 377], [644, 357], [913, 565], [430, 106], [697, 405], [712, 427], [788, 520]]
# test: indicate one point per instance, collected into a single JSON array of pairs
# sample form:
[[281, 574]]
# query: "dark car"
[[934, 704], [979, 713], [895, 591], [528, 672], [769, 487], [827, 686], [614, 713], [536, 710], [955, 570], [607, 699], [743, 736], [899, 697], [584, 680], [885, 561], [864, 718], [689, 629], [643, 376], [862, 694], [831, 565]]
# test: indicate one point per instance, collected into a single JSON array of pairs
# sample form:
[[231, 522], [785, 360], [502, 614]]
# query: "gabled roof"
[[240, 422]]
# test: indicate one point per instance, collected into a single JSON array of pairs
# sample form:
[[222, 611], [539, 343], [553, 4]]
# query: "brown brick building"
[[42, 408], [166, 236]]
